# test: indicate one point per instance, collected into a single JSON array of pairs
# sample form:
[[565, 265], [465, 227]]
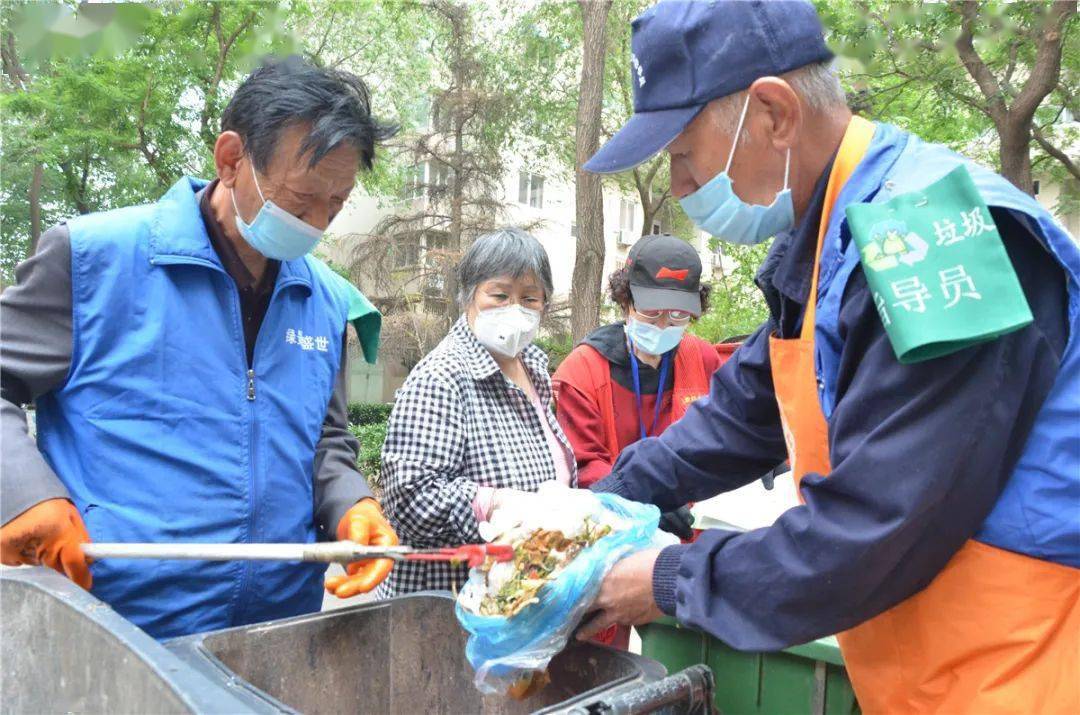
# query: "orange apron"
[[995, 631]]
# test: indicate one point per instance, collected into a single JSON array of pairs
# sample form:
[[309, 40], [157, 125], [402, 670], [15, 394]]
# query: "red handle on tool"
[[471, 554]]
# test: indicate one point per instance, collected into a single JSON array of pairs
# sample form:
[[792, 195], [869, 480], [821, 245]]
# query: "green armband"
[[937, 269], [365, 317]]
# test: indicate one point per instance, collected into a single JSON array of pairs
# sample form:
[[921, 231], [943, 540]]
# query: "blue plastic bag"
[[502, 649]]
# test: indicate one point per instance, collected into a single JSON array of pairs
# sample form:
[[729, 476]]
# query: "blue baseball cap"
[[686, 53]]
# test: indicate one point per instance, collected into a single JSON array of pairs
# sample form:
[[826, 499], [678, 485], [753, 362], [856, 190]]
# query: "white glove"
[[508, 510], [552, 506]]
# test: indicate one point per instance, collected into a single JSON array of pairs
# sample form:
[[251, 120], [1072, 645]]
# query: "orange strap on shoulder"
[[852, 150]]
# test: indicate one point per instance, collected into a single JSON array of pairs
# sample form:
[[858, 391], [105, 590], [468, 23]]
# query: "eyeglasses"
[[675, 317]]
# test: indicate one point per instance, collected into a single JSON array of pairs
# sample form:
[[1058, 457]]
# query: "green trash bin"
[[807, 679]]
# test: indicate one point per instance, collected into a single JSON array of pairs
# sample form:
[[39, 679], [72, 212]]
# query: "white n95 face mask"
[[506, 330]]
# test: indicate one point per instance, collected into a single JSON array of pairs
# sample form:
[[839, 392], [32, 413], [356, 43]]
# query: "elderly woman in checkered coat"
[[473, 425]]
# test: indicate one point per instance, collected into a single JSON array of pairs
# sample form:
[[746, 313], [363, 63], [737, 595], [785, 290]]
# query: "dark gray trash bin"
[[407, 655], [65, 651]]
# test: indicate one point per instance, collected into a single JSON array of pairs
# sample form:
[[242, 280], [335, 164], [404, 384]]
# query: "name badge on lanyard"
[[665, 363]]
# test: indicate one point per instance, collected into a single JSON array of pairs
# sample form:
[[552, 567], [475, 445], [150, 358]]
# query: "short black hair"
[[292, 90]]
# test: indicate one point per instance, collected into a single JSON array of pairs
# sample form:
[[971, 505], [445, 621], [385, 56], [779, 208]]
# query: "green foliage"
[[902, 66], [736, 306], [49, 30], [368, 461], [367, 422], [389, 44], [113, 124], [339, 269], [369, 413], [557, 348]]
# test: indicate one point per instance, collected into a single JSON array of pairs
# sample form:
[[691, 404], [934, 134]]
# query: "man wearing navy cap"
[[916, 365]]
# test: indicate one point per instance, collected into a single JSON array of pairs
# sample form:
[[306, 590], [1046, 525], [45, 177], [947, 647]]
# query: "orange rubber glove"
[[365, 524], [49, 533]]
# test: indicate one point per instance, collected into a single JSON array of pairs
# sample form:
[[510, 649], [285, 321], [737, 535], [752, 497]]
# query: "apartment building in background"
[[544, 203]]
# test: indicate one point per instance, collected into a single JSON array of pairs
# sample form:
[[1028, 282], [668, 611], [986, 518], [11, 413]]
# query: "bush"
[[369, 413], [736, 306], [368, 461], [557, 348]]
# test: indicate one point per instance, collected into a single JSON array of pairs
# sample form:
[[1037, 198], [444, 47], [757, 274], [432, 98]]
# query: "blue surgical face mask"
[[716, 209], [651, 339], [275, 232]]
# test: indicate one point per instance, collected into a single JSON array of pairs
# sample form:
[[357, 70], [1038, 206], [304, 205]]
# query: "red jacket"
[[595, 399]]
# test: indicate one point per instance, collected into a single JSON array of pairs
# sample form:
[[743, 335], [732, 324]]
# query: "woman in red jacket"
[[631, 379]]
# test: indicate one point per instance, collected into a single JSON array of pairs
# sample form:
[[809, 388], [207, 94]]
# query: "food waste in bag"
[[519, 614]]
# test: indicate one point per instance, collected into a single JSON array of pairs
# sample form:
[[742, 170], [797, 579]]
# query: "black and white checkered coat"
[[458, 423]]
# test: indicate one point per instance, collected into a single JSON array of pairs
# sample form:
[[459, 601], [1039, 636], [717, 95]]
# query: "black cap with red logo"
[[665, 274]]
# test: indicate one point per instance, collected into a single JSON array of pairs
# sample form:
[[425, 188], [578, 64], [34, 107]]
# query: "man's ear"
[[781, 122], [228, 151]]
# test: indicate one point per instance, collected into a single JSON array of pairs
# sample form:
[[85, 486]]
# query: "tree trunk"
[[589, 263], [1014, 119], [650, 209], [460, 36], [1015, 155], [35, 207]]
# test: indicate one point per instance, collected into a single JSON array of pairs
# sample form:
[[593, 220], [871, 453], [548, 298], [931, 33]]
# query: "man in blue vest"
[[919, 364], [188, 363]]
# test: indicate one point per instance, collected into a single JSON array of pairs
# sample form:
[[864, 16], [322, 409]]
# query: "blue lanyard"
[[664, 363]]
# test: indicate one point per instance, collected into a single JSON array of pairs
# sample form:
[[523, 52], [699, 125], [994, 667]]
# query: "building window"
[[573, 229], [426, 178], [438, 177], [626, 214], [531, 190], [656, 227], [440, 118], [413, 187], [436, 240], [406, 251], [423, 113]]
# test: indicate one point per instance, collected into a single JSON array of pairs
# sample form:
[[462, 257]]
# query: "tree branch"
[[973, 63], [144, 144], [352, 55], [652, 172], [1047, 68], [1053, 151], [317, 54], [211, 89], [12, 67], [1014, 54]]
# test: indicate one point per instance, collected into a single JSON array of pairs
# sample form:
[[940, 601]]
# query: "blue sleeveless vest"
[[162, 434], [1036, 514]]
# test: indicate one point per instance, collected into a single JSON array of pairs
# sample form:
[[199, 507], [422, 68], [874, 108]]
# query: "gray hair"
[[504, 252], [817, 85]]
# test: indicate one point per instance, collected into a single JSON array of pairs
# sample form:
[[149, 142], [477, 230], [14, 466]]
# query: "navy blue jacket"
[[899, 498]]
